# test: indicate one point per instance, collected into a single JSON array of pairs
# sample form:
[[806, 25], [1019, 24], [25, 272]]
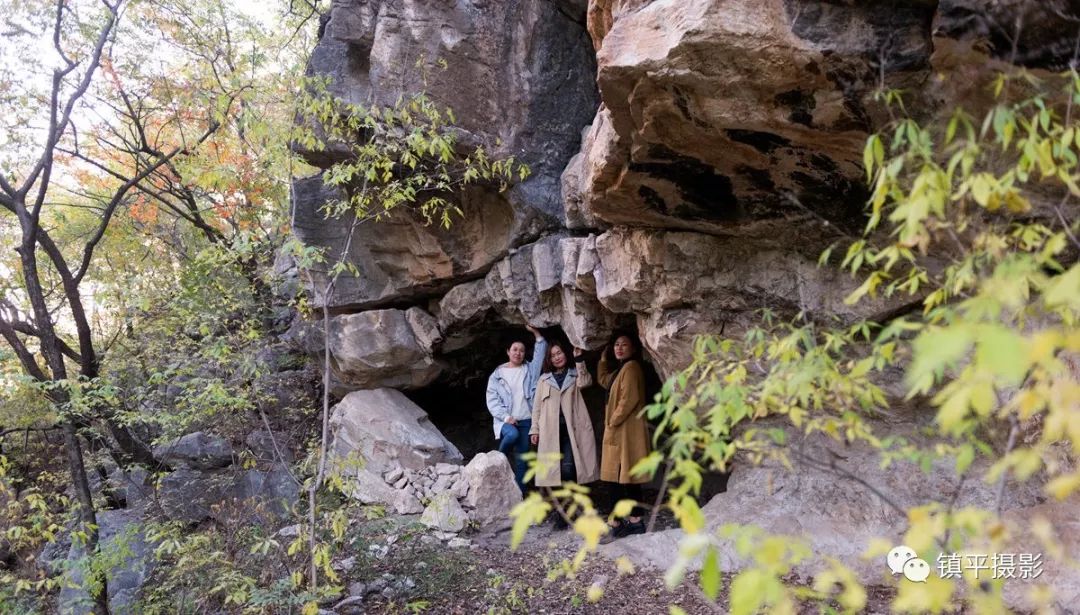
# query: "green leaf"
[[748, 591], [936, 348], [1002, 351], [710, 574], [1064, 290]]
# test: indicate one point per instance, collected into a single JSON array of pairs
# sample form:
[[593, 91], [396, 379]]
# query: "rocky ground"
[[395, 565]]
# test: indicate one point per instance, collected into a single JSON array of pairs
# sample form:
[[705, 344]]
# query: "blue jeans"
[[513, 441]]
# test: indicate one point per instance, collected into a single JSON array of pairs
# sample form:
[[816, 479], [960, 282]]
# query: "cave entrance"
[[457, 404]]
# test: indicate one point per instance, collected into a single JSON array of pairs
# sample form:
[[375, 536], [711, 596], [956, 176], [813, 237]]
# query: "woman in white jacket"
[[510, 392]]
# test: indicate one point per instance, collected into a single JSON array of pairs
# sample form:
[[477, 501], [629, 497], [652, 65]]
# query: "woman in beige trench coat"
[[561, 427]]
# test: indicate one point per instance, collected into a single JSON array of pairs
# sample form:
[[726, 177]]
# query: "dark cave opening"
[[456, 403]]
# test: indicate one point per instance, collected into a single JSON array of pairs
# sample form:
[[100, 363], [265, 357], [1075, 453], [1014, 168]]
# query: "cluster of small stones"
[[429, 482]]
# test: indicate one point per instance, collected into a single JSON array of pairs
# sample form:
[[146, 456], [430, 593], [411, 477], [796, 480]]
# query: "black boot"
[[560, 522]]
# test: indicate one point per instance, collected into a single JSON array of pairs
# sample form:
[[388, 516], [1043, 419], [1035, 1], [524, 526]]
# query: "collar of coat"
[[569, 379]]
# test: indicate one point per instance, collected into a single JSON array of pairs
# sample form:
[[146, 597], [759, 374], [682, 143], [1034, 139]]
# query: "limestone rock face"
[[716, 112], [546, 283], [198, 450], [520, 78], [192, 496], [120, 531], [492, 490], [683, 284], [718, 155], [384, 348], [1065, 582], [386, 430], [839, 516], [403, 257]]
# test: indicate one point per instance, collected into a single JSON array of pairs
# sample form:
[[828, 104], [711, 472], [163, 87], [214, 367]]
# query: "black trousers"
[[620, 491]]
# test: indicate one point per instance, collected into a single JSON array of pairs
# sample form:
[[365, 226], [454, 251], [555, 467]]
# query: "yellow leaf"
[[529, 512], [1029, 402], [1064, 290], [1063, 486], [935, 595], [981, 188], [1043, 346], [689, 515], [748, 591], [1016, 203], [623, 508], [594, 593], [917, 515], [877, 548], [983, 398], [1046, 158], [953, 408], [591, 528]]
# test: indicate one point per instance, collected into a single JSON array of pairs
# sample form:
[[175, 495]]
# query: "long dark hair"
[[634, 341], [561, 345]]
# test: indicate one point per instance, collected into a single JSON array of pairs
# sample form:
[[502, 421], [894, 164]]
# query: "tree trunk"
[[87, 516], [54, 358]]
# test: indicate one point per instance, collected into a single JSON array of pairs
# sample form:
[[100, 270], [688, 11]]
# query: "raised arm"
[[539, 351], [605, 374], [584, 378]]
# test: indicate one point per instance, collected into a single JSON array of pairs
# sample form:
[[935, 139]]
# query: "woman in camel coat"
[[560, 421], [626, 435]]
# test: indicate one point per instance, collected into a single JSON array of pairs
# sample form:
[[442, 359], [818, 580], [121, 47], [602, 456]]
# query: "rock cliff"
[[691, 159]]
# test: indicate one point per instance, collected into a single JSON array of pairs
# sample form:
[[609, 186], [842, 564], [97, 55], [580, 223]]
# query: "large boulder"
[[274, 491], [381, 430], [492, 490], [133, 486], [130, 561], [402, 257], [198, 450], [385, 348], [838, 514]]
